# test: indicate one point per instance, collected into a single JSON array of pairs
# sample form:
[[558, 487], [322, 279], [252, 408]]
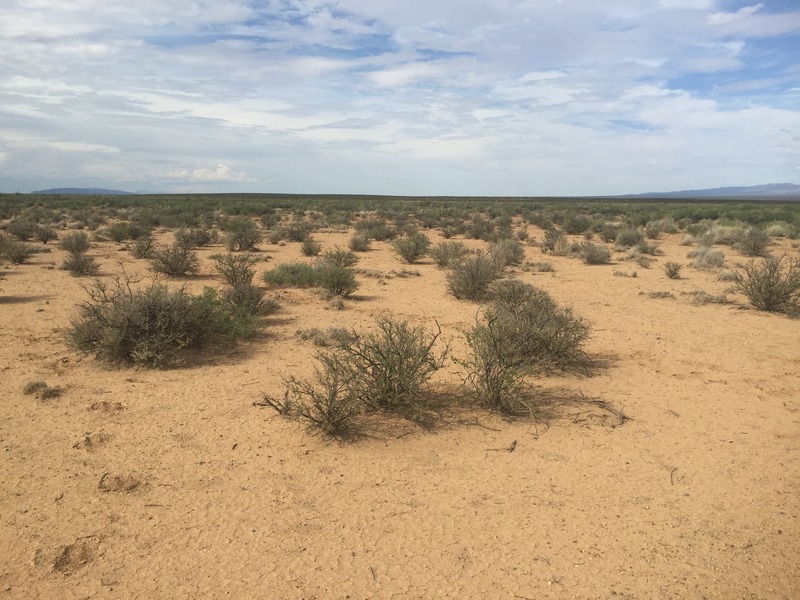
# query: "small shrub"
[[673, 270], [22, 229], [389, 367], [412, 248], [41, 390], [328, 403], [472, 277], [152, 326], [359, 242], [773, 284], [310, 247], [291, 275], [705, 258], [594, 254], [76, 242], [506, 252], [339, 281], [121, 231], [15, 251], [628, 238], [297, 231], [753, 243], [539, 267], [143, 247], [555, 242], [448, 254], [174, 261], [339, 258], [241, 234], [608, 233], [198, 237], [80, 265], [44, 234], [236, 269]]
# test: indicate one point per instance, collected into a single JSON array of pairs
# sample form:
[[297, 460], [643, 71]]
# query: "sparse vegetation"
[[41, 390], [310, 246], [448, 254], [174, 261], [594, 254], [15, 251], [412, 247], [705, 258], [672, 270]]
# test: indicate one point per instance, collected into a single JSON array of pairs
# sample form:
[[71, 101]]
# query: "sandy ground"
[[172, 484]]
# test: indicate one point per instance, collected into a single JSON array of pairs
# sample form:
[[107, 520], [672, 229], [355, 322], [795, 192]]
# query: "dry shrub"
[[174, 261], [594, 254], [448, 254], [772, 285], [471, 278]]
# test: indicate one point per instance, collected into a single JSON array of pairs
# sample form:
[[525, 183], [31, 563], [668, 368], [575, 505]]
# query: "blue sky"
[[421, 97]]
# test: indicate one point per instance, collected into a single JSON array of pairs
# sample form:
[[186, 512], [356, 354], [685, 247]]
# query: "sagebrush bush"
[[555, 242], [297, 231], [22, 229], [446, 254], [44, 234], [627, 238], [773, 284], [506, 252], [753, 243], [522, 332], [594, 254], [76, 242], [241, 234], [339, 281], [389, 367], [412, 247], [672, 270], [704, 257], [310, 246], [236, 269], [80, 265], [470, 279], [339, 257], [15, 251], [151, 326], [197, 237], [143, 247], [360, 242], [291, 275], [335, 279], [174, 261], [123, 230]]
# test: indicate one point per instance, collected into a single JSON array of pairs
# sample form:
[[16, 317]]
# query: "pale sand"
[[172, 484]]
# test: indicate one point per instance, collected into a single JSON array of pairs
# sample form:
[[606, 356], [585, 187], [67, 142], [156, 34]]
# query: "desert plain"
[[141, 483]]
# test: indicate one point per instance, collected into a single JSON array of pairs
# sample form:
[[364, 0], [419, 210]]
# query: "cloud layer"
[[353, 96]]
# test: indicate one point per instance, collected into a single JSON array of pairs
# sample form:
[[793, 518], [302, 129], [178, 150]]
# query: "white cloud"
[[219, 173]]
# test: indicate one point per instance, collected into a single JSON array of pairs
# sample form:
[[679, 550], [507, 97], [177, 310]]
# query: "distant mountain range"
[[87, 191], [788, 191]]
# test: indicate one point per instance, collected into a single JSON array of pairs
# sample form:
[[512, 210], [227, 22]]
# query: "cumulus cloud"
[[415, 97]]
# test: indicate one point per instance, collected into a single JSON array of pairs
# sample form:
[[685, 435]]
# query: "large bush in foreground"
[[522, 332], [772, 284], [150, 326]]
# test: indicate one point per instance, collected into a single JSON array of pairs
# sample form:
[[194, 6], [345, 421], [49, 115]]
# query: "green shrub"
[[121, 231], [236, 269], [447, 254], [772, 285], [673, 270], [310, 247], [339, 258], [80, 265], [522, 332], [198, 237], [152, 326], [297, 231], [291, 275], [339, 281], [412, 247], [241, 234], [389, 367], [359, 242], [471, 278], [174, 261], [594, 254], [76, 242]]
